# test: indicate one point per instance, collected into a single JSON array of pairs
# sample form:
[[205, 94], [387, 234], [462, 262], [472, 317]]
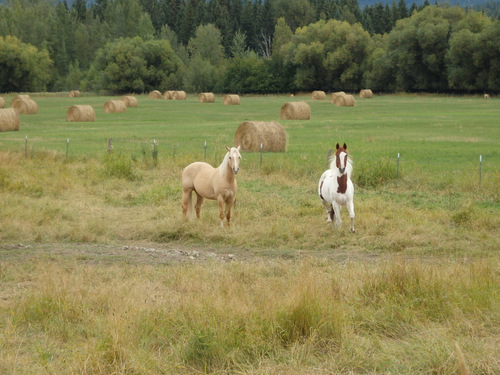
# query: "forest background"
[[245, 46]]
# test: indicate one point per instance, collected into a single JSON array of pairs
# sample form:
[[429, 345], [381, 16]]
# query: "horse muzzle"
[[235, 170], [342, 170]]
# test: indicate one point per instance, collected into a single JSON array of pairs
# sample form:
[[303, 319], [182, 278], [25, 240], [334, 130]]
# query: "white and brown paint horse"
[[212, 183], [336, 188]]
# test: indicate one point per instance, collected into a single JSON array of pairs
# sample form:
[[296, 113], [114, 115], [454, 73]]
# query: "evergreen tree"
[[247, 24], [403, 9], [174, 10], [378, 19], [388, 18], [235, 9], [353, 6], [367, 22], [100, 8], [413, 8], [188, 24], [394, 13], [239, 47], [61, 44], [268, 19], [152, 7], [218, 14], [297, 13], [80, 10]]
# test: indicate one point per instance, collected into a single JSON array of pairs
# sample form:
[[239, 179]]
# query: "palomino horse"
[[211, 183], [336, 189]]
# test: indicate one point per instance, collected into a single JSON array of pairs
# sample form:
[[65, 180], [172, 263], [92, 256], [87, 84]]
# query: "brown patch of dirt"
[[153, 253]]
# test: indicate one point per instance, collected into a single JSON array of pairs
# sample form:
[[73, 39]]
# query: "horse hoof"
[[352, 230]]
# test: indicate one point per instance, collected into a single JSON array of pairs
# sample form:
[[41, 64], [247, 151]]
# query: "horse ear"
[[238, 148], [345, 146], [227, 148], [338, 146]]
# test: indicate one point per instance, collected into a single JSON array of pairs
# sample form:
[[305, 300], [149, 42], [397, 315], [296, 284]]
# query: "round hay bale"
[[129, 100], [9, 120], [2, 103], [179, 95], [345, 101], [80, 113], [21, 97], [319, 95], [334, 96], [24, 106], [155, 95], [232, 99], [168, 94], [365, 94], [114, 106], [75, 94], [295, 111], [207, 97], [250, 135]]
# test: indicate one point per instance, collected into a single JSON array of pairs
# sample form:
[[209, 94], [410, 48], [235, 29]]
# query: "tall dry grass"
[[298, 297], [116, 198], [309, 315]]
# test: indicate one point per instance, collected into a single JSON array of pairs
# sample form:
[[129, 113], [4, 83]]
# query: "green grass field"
[[100, 274], [436, 132]]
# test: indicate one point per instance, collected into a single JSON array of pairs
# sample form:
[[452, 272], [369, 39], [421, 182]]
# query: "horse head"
[[341, 156], [234, 158]]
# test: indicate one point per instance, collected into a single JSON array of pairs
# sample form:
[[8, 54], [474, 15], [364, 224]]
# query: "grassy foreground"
[[282, 317], [417, 288]]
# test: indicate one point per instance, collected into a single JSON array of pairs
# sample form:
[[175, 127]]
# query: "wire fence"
[[212, 152]]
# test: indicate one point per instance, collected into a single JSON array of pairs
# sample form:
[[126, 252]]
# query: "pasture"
[[101, 274]]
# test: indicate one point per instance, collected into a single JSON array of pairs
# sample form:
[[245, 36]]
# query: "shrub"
[[22, 66], [371, 174], [118, 165]]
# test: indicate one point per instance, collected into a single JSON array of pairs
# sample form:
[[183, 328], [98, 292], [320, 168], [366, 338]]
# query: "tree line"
[[246, 46]]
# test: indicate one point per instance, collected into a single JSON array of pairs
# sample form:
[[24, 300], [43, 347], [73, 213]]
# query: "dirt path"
[[154, 253]]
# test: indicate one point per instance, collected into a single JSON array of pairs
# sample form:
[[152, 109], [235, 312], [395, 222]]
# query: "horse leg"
[[199, 202], [329, 211], [350, 208], [220, 201], [187, 202], [229, 205], [336, 212]]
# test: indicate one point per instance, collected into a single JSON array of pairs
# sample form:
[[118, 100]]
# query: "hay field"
[[99, 273]]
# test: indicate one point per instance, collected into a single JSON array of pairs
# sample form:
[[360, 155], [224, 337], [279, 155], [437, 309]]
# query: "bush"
[[118, 165], [374, 173], [23, 67], [135, 65]]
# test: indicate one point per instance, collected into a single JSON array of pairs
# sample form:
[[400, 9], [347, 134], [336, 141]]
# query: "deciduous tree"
[[22, 66], [135, 65], [329, 55]]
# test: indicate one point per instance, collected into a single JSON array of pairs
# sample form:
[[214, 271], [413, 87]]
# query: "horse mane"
[[223, 165], [348, 167]]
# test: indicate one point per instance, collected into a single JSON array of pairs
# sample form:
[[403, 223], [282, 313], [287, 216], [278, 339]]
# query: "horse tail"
[[190, 205], [187, 195]]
